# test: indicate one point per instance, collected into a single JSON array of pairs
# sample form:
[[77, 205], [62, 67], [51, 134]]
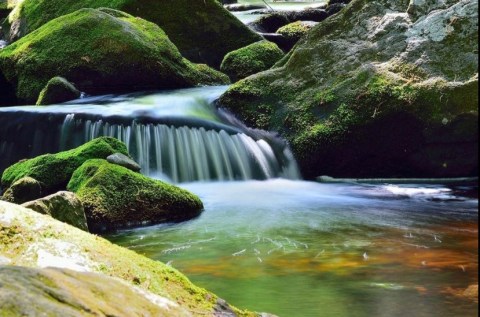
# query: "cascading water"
[[175, 135]]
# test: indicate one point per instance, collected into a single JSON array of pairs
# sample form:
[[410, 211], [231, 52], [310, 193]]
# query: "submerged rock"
[[123, 160], [384, 106], [23, 190], [33, 240], [202, 30], [251, 59], [63, 292], [116, 197], [55, 170], [63, 206], [57, 90], [100, 51]]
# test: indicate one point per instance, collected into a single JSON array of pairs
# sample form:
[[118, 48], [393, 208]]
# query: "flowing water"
[[297, 248], [175, 135]]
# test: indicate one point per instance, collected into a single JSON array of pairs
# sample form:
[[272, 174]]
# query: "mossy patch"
[[202, 29], [55, 170], [251, 59], [100, 51], [294, 31], [114, 197], [57, 90]]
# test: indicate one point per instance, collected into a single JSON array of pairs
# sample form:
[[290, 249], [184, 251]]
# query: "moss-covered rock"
[[23, 190], [372, 109], [115, 197], [202, 30], [63, 206], [63, 292], [294, 31], [34, 240], [251, 59], [55, 170], [57, 90], [99, 51]]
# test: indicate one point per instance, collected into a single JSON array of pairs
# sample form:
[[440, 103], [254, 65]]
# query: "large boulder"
[[33, 240], [68, 293], [63, 206], [202, 30], [23, 190], [57, 90], [100, 51], [382, 89], [251, 59], [116, 197], [55, 170]]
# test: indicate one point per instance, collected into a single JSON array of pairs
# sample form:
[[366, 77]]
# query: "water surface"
[[298, 248]]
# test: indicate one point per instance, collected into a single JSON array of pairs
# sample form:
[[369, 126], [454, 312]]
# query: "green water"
[[296, 248]]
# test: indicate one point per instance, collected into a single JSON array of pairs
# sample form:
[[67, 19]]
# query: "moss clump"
[[251, 59], [202, 29], [23, 190], [55, 170], [294, 31], [99, 51], [114, 196], [57, 90]]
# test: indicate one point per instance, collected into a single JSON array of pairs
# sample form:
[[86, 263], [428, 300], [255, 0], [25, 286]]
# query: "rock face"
[[116, 197], [62, 292], [63, 206], [382, 89], [55, 170], [203, 30], [251, 59], [100, 51], [33, 240], [57, 90], [23, 190], [123, 160]]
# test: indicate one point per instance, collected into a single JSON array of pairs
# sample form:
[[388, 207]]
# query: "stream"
[[297, 248]]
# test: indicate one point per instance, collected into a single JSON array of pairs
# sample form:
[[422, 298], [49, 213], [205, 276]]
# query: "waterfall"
[[179, 148]]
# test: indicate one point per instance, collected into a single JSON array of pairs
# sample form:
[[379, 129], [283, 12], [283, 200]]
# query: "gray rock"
[[365, 92], [123, 160], [23, 190], [235, 7], [63, 206]]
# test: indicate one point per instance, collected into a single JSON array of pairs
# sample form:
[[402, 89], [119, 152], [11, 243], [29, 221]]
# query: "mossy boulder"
[[384, 107], [23, 190], [294, 31], [63, 206], [33, 240], [116, 197], [251, 59], [57, 90], [55, 170], [100, 51], [202, 30]]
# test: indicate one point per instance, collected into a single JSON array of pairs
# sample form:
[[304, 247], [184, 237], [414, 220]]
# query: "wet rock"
[[244, 7], [63, 206], [23, 190], [331, 9], [57, 90], [123, 160], [269, 23]]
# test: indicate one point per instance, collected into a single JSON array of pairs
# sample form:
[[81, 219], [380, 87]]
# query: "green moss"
[[251, 59], [203, 30], [55, 170], [294, 31], [99, 51], [114, 196], [57, 90]]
